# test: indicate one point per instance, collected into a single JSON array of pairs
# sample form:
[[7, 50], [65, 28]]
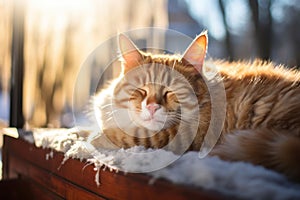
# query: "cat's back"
[[260, 94], [255, 70]]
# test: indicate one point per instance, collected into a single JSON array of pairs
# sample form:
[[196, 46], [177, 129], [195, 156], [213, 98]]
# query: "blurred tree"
[[228, 44], [262, 19]]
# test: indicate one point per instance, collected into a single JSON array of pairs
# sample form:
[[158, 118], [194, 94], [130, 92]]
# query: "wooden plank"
[[38, 192], [14, 189], [5, 160], [24, 189], [49, 181], [113, 186]]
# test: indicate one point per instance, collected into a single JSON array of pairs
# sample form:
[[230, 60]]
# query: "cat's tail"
[[274, 150]]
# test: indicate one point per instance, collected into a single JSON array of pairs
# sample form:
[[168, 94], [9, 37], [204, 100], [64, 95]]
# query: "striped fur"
[[262, 123]]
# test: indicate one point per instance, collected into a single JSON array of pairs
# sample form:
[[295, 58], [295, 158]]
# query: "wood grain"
[[75, 180]]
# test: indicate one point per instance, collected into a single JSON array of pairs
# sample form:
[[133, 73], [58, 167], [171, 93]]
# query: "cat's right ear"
[[131, 55], [196, 52]]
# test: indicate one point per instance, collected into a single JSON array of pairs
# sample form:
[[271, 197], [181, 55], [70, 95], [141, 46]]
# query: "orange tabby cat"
[[163, 101]]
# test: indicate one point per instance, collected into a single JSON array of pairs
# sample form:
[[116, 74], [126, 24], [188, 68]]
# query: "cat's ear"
[[196, 52], [130, 53]]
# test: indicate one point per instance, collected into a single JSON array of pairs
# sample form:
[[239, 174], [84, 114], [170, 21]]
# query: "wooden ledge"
[[76, 180]]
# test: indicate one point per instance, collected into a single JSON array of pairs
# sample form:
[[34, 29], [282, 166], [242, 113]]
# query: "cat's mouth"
[[153, 120], [153, 123]]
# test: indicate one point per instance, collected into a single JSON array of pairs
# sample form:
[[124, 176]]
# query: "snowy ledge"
[[240, 180]]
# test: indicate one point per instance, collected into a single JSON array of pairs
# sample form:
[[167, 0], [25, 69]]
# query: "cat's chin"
[[153, 125], [156, 123]]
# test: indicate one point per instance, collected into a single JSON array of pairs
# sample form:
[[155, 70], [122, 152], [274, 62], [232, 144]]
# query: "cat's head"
[[158, 90]]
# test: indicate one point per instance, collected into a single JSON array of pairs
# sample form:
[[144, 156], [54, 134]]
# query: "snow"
[[238, 179]]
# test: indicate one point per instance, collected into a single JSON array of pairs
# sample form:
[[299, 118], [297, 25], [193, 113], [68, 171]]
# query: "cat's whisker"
[[172, 122], [108, 119], [184, 119], [188, 117], [104, 106], [109, 113]]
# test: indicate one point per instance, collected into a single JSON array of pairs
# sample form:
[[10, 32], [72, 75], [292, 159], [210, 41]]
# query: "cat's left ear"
[[196, 52], [130, 53]]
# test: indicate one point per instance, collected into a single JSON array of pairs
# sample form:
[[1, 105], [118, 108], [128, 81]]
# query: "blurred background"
[[58, 35]]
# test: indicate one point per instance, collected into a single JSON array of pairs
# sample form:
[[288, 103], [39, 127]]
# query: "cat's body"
[[164, 101], [261, 95]]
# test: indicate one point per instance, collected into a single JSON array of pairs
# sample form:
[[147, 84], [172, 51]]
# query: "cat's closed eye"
[[167, 93], [170, 97], [142, 92], [138, 94]]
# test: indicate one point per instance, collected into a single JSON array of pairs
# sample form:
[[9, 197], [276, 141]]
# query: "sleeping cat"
[[163, 101]]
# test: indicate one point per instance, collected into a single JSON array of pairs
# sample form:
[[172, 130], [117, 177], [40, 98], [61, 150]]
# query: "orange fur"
[[262, 123], [277, 150]]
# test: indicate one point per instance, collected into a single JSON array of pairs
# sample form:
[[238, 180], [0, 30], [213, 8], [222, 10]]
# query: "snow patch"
[[238, 179]]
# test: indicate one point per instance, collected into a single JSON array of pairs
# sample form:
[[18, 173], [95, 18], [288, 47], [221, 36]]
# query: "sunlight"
[[58, 5]]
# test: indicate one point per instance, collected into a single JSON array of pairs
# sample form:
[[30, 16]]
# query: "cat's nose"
[[153, 107]]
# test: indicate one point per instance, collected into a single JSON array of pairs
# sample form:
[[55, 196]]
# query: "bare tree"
[[262, 20], [228, 38]]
